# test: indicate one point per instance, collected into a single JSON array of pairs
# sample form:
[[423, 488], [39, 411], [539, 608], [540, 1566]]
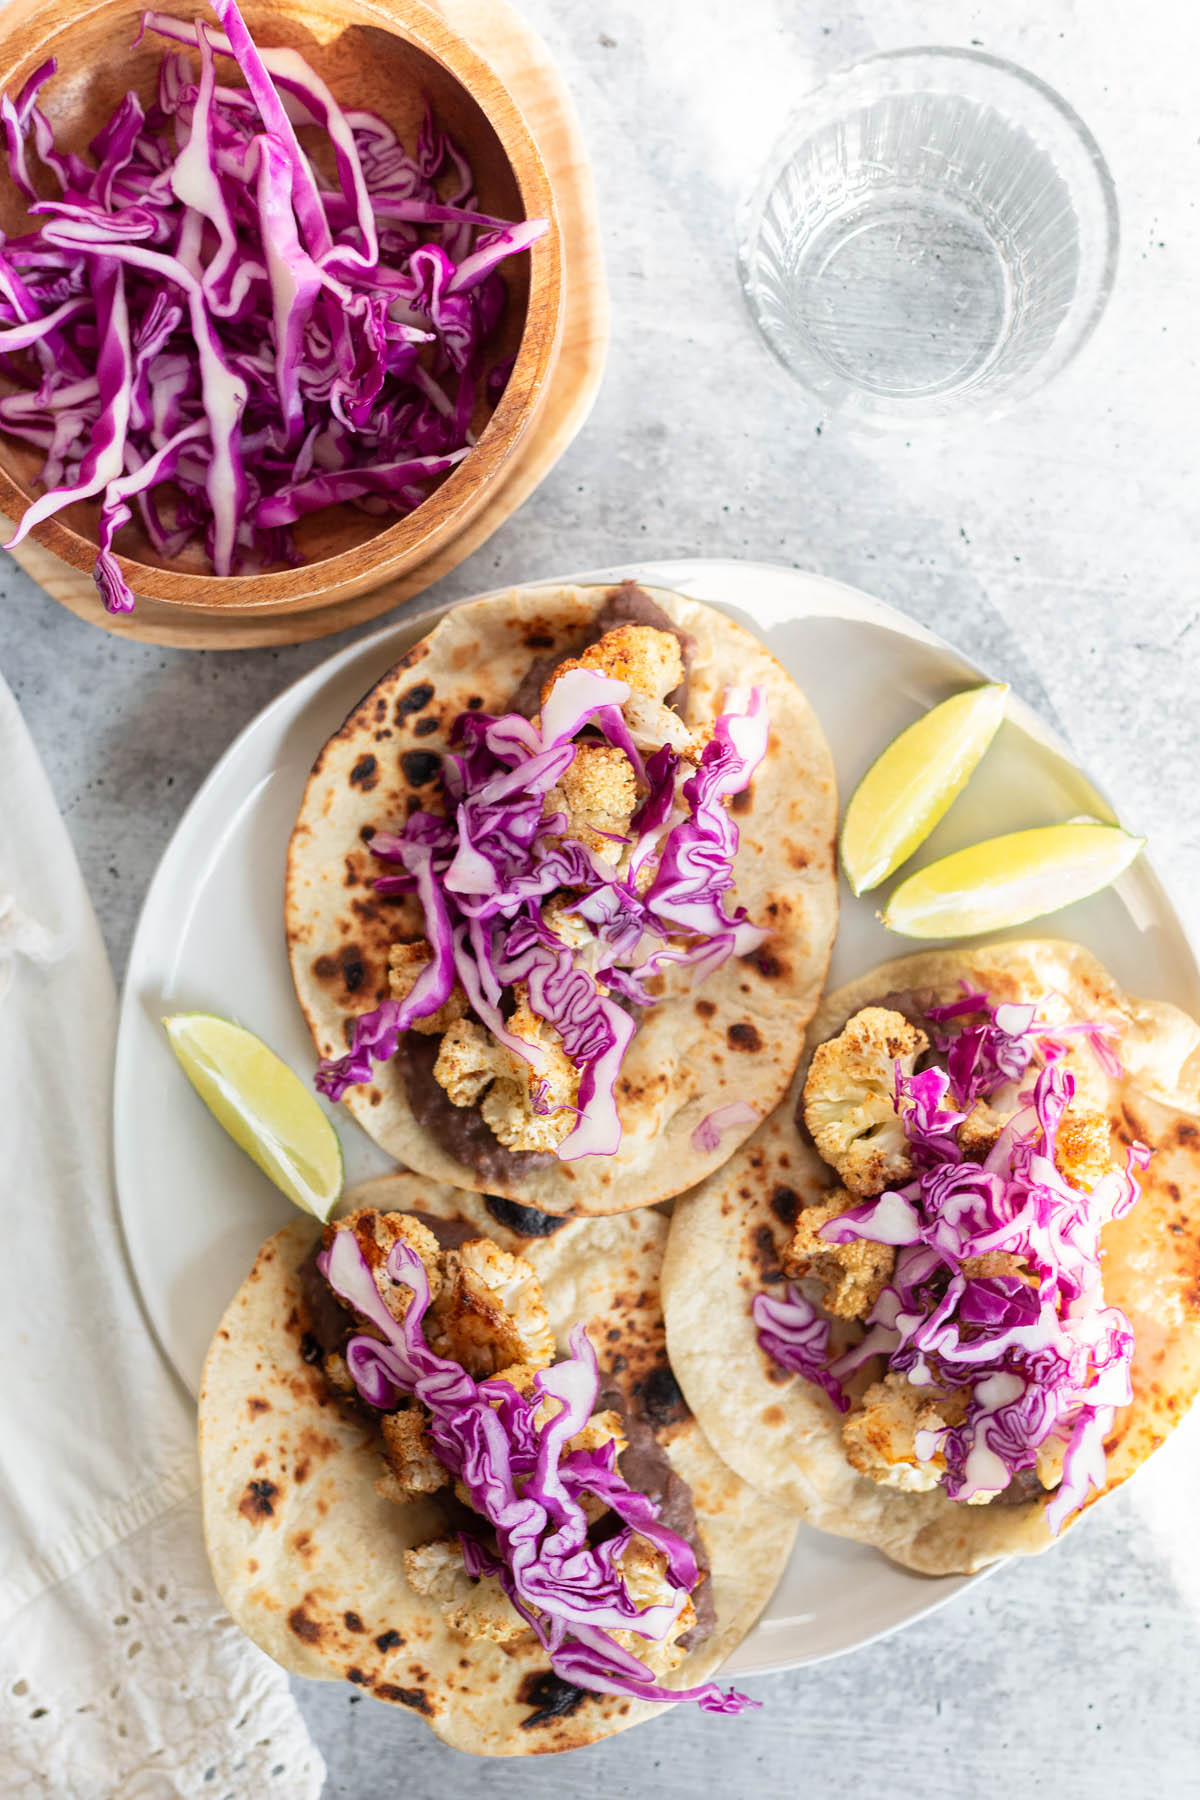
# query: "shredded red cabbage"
[[1035, 1363], [526, 1486], [206, 326], [496, 856], [707, 1135]]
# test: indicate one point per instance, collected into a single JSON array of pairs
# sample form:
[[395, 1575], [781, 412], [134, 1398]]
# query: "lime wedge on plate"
[[907, 790], [1008, 880], [263, 1105]]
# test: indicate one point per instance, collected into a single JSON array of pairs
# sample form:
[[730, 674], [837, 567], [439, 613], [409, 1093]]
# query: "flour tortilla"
[[737, 1036], [779, 1431], [307, 1556]]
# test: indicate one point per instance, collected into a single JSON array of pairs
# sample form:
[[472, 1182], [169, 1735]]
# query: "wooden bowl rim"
[[411, 539]]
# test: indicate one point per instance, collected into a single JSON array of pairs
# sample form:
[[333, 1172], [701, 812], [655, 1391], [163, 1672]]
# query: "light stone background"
[[1058, 548]]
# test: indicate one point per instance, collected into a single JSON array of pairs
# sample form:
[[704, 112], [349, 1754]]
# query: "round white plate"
[[195, 1209]]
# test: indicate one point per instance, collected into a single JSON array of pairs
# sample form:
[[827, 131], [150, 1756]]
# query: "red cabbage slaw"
[[207, 327], [1035, 1364], [527, 1486], [483, 872]]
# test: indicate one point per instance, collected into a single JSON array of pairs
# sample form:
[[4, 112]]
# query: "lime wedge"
[[1008, 880], [907, 790], [263, 1105]]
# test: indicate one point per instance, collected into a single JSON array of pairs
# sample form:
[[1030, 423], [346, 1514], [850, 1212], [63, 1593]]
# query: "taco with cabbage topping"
[[444, 1458], [561, 896], [945, 1299]]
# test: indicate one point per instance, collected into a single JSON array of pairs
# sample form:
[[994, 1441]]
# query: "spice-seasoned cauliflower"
[[880, 1437], [405, 963], [644, 1570], [979, 1130], [476, 1607], [412, 1467], [468, 1060], [598, 793], [1083, 1149], [652, 663], [376, 1233], [854, 1274], [490, 1313], [849, 1099], [525, 1108], [997, 1262]]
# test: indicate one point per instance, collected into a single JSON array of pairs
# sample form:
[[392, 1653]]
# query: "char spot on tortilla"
[[773, 1415], [303, 1470], [365, 911], [424, 726], [1186, 1133], [301, 1543], [785, 1204], [258, 1501], [798, 858], [381, 708], [306, 1629], [660, 1398], [257, 1404], [741, 803], [539, 640], [352, 1622], [365, 773], [526, 1220], [389, 1640], [402, 1696], [705, 1008], [382, 736], [358, 1676], [420, 766], [475, 703], [764, 1254], [366, 833], [550, 1696], [770, 966], [743, 1036], [415, 700]]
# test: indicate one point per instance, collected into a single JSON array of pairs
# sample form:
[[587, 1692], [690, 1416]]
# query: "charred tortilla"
[[735, 1036], [728, 1237], [308, 1556]]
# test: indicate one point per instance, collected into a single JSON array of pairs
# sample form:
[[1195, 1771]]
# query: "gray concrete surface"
[[1058, 547]]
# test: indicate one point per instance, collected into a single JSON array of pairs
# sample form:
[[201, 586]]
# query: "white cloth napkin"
[[120, 1673]]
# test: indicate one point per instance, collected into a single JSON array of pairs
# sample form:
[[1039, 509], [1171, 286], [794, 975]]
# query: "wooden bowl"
[[390, 57]]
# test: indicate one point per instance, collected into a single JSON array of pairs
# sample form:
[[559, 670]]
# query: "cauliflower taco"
[[945, 1299], [561, 896], [444, 1458]]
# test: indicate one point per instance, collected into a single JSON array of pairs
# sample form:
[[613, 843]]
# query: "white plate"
[[195, 1209]]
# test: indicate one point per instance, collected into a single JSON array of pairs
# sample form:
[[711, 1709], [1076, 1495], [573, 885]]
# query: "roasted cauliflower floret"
[[849, 1099], [853, 1275], [476, 1607], [469, 1059], [490, 1313], [644, 1570], [1083, 1149], [997, 1262], [376, 1234], [412, 1467], [527, 1109], [598, 793], [979, 1130], [652, 663], [880, 1437], [405, 963]]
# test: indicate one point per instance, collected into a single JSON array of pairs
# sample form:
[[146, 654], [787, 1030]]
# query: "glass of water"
[[935, 237]]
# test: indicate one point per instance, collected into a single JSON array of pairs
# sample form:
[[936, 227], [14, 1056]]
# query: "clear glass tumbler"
[[935, 236]]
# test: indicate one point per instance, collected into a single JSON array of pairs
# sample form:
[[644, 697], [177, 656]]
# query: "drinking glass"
[[935, 236]]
